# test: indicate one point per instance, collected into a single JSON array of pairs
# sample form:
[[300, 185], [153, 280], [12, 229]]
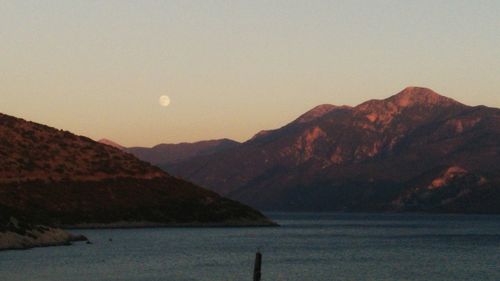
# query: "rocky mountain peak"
[[418, 95], [384, 111]]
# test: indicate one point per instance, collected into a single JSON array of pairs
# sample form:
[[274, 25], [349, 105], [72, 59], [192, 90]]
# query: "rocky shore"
[[19, 234], [18, 231]]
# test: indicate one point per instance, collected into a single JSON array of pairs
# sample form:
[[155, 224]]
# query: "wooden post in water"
[[256, 269]]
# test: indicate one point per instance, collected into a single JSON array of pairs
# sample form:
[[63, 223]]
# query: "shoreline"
[[145, 224], [37, 238], [62, 235]]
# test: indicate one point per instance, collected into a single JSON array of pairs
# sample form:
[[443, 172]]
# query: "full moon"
[[164, 101]]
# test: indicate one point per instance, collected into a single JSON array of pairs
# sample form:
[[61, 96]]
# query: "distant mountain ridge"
[[414, 151], [111, 143], [164, 154]]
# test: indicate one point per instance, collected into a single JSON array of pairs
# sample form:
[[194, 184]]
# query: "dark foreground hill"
[[56, 178], [414, 151]]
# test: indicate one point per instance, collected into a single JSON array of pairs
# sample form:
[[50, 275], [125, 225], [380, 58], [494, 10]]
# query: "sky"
[[233, 68]]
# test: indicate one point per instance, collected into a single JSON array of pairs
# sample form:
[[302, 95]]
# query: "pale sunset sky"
[[233, 68]]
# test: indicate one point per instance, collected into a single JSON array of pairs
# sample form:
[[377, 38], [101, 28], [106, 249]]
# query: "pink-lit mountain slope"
[[414, 151]]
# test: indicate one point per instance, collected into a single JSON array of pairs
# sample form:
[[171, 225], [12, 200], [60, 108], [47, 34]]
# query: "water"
[[319, 247]]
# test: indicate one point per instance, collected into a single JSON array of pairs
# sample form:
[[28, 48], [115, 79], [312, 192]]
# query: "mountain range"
[[414, 151], [166, 154]]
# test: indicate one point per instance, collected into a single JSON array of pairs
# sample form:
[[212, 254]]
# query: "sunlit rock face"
[[447, 177], [453, 190], [363, 158]]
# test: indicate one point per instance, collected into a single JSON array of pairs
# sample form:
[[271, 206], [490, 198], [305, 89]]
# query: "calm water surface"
[[319, 247]]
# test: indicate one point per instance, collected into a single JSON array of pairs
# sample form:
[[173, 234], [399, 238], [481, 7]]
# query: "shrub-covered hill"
[[61, 179]]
